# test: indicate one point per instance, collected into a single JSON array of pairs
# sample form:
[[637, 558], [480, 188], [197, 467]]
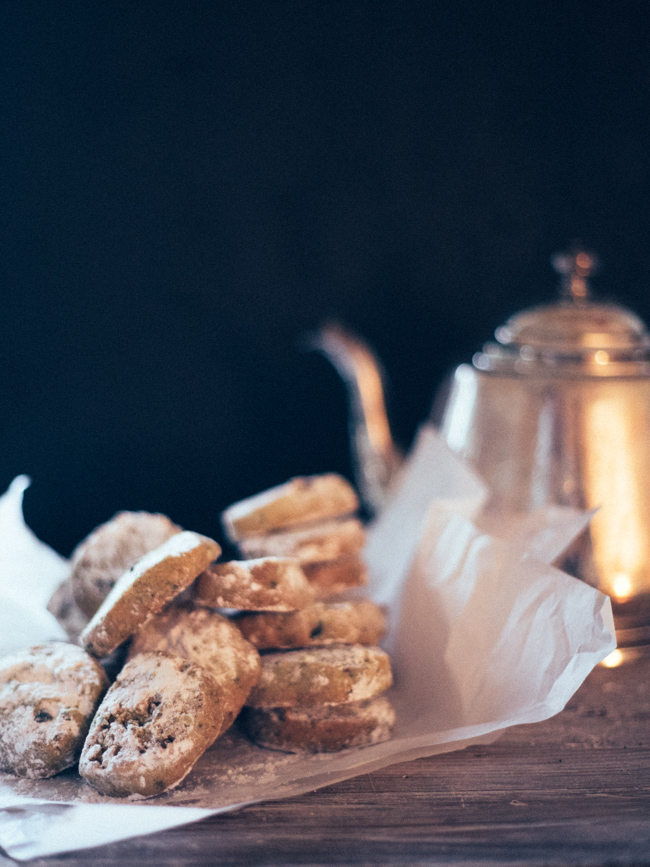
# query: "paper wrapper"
[[484, 634]]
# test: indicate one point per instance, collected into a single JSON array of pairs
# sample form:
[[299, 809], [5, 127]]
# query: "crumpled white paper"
[[30, 571], [484, 634]]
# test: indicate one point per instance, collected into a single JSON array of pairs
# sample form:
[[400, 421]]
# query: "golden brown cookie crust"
[[48, 696], [321, 676], [206, 638], [102, 557], [146, 588], [329, 540], [332, 577], [265, 584], [320, 624], [301, 500], [157, 719], [321, 730]]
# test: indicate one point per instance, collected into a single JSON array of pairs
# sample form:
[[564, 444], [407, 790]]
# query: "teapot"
[[556, 412]]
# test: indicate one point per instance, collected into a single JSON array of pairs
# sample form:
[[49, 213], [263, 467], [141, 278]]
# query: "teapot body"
[[552, 439]]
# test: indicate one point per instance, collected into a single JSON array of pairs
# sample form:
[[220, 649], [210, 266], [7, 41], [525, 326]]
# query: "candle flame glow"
[[614, 659], [621, 586]]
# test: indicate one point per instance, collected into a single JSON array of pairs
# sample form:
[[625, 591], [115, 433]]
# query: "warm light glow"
[[601, 357], [614, 463], [614, 659], [621, 586], [583, 261]]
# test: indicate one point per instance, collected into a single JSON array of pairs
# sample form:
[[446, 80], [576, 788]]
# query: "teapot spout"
[[376, 457]]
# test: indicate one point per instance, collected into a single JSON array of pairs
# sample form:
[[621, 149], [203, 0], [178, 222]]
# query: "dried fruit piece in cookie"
[[157, 719], [48, 695], [324, 675], [335, 576], [299, 501], [328, 540], [112, 548], [146, 588], [321, 729], [265, 584], [211, 641], [359, 622]]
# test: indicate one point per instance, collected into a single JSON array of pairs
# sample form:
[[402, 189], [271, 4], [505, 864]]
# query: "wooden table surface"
[[574, 790]]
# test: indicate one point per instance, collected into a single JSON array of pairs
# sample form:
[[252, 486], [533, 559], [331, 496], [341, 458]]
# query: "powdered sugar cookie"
[[321, 676], [328, 540], [359, 622], [157, 719], [321, 729], [146, 588], [211, 641], [112, 548], [48, 695], [335, 576], [301, 500], [265, 584]]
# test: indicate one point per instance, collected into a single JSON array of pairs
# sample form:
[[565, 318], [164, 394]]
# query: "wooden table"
[[574, 790]]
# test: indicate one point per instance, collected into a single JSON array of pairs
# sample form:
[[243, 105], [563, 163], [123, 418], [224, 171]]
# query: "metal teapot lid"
[[574, 336]]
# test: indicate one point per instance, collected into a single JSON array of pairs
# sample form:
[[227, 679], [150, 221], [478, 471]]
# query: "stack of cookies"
[[322, 675], [312, 519], [304, 666]]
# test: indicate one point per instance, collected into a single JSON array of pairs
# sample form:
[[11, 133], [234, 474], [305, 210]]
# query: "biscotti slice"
[[332, 577], [328, 540], [358, 622], [48, 696], [301, 500], [321, 729], [105, 555], [146, 588], [321, 676], [156, 720], [265, 584], [211, 641]]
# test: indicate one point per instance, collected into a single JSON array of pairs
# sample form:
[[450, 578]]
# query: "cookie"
[[360, 622], [265, 584], [321, 676], [334, 576], [63, 605], [321, 729], [146, 588], [328, 540], [48, 695], [211, 641], [157, 719], [112, 548], [301, 500]]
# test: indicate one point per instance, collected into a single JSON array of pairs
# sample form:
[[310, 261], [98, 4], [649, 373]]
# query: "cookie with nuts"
[[154, 723]]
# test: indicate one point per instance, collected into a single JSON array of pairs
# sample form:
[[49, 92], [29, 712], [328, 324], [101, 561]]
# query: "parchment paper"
[[484, 634]]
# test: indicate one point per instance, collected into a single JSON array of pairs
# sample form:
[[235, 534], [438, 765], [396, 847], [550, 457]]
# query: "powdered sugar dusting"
[[47, 697], [156, 720], [175, 546]]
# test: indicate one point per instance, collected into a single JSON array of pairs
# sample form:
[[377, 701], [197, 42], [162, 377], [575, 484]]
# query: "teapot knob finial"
[[575, 267]]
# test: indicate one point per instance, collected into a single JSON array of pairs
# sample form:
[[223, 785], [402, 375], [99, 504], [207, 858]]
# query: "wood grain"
[[574, 790]]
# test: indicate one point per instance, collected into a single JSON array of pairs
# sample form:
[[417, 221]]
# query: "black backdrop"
[[189, 187]]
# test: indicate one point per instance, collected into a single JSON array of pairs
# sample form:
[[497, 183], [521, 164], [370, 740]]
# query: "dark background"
[[189, 187]]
